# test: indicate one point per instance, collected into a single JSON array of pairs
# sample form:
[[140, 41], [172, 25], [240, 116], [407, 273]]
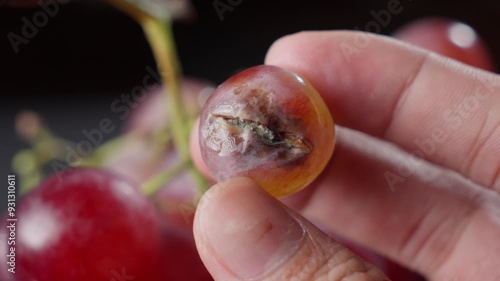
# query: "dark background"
[[89, 53]]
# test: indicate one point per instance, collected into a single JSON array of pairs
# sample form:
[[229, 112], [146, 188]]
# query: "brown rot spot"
[[267, 135]]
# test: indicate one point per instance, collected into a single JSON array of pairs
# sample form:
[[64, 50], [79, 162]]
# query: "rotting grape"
[[269, 124]]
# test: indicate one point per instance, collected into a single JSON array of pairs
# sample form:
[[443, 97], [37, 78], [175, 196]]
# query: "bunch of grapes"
[[111, 219], [125, 211]]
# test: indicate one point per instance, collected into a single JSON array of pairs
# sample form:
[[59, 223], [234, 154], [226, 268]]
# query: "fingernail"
[[249, 231]]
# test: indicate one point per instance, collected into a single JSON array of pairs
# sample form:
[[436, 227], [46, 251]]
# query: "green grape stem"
[[159, 34], [153, 185], [160, 37], [45, 147]]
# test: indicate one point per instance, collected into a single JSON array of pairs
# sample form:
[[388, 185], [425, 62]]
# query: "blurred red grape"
[[139, 160], [152, 114], [450, 38], [87, 224]]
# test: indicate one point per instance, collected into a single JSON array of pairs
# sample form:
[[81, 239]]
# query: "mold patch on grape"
[[267, 135]]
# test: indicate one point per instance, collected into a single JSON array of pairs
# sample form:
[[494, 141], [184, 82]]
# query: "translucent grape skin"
[[269, 124], [86, 224]]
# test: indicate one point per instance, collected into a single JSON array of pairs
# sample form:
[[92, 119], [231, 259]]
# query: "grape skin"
[[86, 224], [269, 124]]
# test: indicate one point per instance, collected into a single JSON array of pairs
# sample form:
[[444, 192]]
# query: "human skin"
[[415, 175]]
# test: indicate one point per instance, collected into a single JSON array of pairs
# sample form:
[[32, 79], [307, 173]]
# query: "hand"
[[415, 175]]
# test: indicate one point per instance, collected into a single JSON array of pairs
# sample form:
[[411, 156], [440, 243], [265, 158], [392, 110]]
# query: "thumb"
[[242, 233]]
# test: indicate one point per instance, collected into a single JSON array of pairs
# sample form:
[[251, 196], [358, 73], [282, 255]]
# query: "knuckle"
[[330, 262]]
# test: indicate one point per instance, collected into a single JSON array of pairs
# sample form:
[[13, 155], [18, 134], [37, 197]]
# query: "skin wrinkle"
[[491, 205], [489, 214], [484, 137], [453, 181], [323, 257], [404, 93], [308, 265], [287, 267], [371, 273], [442, 255], [346, 267], [305, 269], [496, 175], [451, 253], [282, 262], [333, 257], [467, 190], [403, 245], [496, 179], [315, 251], [475, 148]]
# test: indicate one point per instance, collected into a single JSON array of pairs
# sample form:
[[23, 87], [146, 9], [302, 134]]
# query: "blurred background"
[[88, 54], [74, 67]]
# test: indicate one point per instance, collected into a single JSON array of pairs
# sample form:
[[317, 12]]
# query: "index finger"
[[434, 107]]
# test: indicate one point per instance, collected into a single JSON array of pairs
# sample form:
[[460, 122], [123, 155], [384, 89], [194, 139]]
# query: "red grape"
[[135, 160], [152, 113], [180, 259], [138, 160], [269, 124], [449, 38], [86, 224]]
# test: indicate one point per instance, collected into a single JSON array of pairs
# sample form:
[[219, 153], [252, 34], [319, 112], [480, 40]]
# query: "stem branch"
[[159, 35]]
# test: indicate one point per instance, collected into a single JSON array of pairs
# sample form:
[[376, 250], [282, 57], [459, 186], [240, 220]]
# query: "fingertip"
[[232, 214], [223, 188], [294, 51]]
